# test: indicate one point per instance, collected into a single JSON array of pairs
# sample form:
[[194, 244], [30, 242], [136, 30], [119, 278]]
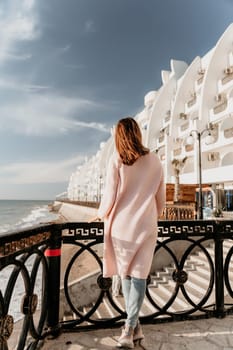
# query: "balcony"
[[228, 75], [167, 118], [30, 266], [184, 127], [162, 133], [177, 151], [189, 148], [228, 133], [183, 116], [221, 104], [200, 78], [225, 83], [220, 107], [161, 138], [190, 105], [213, 156]]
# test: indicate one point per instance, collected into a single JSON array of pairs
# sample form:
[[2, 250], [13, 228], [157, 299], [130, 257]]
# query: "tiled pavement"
[[208, 334]]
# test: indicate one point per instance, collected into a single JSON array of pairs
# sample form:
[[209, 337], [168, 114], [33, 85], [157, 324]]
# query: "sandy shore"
[[75, 213]]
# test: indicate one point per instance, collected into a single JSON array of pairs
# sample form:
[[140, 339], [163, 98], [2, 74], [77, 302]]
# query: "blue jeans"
[[134, 292]]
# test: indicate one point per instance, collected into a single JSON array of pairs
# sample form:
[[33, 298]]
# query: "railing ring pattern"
[[227, 269], [180, 276], [103, 286], [104, 283]]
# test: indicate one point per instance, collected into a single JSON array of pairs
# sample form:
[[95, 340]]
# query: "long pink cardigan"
[[133, 199]]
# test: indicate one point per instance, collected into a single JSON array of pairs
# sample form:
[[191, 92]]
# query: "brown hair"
[[128, 140]]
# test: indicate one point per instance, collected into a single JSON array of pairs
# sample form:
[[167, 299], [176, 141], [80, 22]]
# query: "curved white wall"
[[183, 103], [227, 159], [215, 70], [184, 93]]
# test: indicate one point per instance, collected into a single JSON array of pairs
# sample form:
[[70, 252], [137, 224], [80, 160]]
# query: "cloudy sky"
[[69, 69]]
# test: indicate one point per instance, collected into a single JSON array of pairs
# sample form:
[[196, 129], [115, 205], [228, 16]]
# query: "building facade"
[[194, 100]]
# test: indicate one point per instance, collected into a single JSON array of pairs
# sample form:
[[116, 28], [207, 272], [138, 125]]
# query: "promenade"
[[208, 334]]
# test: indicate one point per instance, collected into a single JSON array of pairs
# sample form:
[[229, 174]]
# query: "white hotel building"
[[196, 97]]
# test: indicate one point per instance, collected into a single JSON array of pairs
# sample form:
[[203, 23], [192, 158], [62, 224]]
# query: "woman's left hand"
[[95, 218]]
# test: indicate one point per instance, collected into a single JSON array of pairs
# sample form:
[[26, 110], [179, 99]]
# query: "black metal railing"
[[51, 279]]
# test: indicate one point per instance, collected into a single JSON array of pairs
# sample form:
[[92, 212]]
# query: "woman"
[[133, 199]]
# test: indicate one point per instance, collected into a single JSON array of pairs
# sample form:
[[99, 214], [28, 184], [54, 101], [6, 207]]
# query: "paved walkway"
[[209, 334]]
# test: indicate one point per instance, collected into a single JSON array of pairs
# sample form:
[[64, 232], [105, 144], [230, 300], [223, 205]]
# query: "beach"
[[75, 213]]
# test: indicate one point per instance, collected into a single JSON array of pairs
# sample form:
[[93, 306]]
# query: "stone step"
[[203, 271], [159, 298], [164, 290], [201, 258], [197, 279], [180, 303], [147, 308]]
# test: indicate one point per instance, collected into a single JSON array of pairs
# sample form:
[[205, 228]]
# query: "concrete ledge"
[[74, 212]]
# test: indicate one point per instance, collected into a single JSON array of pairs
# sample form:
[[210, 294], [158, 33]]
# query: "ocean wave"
[[13, 217], [5, 228], [35, 215]]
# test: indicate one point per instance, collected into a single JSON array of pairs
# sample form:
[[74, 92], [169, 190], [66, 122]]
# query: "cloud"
[[13, 84], [47, 115], [14, 56], [89, 26], [93, 125], [28, 108], [39, 172], [64, 49], [38, 110], [18, 22]]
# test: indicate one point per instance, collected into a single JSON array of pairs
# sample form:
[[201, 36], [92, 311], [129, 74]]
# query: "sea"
[[20, 214], [15, 215]]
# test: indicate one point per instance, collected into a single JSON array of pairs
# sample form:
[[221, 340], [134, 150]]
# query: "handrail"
[[30, 264]]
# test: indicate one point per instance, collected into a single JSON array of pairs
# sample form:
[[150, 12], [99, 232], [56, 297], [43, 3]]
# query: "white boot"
[[126, 338], [138, 335]]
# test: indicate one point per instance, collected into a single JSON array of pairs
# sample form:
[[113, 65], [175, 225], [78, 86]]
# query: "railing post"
[[219, 275], [53, 254]]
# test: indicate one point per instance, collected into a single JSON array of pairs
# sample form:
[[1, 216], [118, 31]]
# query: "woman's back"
[[135, 204]]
